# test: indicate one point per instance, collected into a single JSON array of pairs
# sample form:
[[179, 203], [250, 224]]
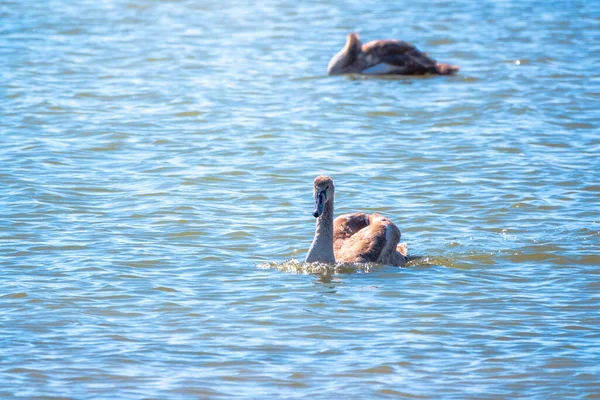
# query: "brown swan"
[[352, 238], [384, 57]]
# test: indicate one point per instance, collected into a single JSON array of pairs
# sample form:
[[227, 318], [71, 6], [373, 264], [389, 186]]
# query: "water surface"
[[156, 167]]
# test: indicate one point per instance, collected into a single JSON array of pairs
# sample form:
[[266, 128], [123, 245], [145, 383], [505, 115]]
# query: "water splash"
[[302, 268]]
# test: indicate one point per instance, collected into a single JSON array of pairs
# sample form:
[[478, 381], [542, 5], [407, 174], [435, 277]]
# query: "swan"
[[352, 238], [384, 57]]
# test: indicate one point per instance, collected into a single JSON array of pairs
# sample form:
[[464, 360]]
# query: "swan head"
[[346, 56], [323, 191]]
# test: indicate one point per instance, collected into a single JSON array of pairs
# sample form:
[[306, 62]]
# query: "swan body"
[[384, 57], [352, 238]]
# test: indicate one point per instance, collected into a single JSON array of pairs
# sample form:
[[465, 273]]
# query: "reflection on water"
[[156, 168], [316, 268], [295, 267]]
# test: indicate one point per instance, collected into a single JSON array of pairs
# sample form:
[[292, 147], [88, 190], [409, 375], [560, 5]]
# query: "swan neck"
[[321, 249]]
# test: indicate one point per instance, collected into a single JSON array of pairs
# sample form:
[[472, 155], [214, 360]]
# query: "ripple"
[[157, 162]]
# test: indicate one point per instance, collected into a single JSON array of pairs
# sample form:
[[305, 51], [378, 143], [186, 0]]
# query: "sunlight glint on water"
[[156, 168]]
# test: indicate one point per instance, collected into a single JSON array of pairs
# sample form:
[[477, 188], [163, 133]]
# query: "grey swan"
[[352, 238], [382, 57]]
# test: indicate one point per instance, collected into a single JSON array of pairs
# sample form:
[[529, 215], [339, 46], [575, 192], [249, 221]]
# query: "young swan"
[[352, 238], [384, 57]]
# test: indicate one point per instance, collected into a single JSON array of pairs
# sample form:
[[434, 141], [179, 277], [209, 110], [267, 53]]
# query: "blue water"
[[156, 168]]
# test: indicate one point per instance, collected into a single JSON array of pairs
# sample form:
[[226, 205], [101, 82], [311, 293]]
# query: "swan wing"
[[398, 57], [347, 225], [365, 238]]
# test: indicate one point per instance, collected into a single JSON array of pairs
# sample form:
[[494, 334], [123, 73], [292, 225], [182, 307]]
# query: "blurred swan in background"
[[384, 57]]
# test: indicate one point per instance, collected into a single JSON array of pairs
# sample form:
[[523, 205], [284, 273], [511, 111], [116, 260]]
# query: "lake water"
[[156, 168]]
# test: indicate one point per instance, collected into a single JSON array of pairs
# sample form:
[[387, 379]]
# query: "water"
[[156, 167]]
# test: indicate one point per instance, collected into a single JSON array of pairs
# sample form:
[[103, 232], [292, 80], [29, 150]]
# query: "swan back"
[[361, 237]]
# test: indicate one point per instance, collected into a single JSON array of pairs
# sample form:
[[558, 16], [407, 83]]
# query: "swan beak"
[[319, 202]]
